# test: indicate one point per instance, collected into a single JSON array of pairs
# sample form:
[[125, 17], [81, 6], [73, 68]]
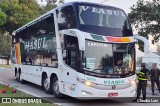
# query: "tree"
[[5, 44], [49, 6], [145, 17], [18, 13], [14, 14], [2, 18], [139, 61], [61, 2]]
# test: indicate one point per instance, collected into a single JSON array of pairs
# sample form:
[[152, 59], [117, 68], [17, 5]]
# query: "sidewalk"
[[148, 82]]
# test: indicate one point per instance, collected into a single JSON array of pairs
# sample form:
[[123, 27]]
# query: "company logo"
[[91, 79], [40, 43], [114, 82], [113, 87], [103, 11]]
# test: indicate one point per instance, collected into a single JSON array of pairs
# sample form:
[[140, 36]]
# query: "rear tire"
[[17, 76], [46, 86], [20, 79], [55, 88]]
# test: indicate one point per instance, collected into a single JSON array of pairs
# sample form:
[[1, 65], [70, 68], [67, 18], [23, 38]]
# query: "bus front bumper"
[[86, 91]]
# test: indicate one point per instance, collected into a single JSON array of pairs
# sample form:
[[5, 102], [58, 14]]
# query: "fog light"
[[88, 83], [86, 93], [133, 91], [83, 93]]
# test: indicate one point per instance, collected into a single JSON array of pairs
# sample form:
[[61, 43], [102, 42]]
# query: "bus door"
[[70, 58], [72, 62]]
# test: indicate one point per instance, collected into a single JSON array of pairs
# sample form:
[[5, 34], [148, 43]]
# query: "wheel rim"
[[20, 77], [17, 76], [45, 84], [56, 87]]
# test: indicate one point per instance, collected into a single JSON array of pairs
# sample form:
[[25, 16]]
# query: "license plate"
[[112, 94]]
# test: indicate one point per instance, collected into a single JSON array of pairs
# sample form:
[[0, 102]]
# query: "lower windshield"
[[111, 59]]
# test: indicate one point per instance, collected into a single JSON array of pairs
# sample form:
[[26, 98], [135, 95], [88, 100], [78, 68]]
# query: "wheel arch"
[[15, 71]]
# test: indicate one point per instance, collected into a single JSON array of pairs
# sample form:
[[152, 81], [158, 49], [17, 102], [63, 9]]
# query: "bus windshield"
[[103, 20], [108, 59]]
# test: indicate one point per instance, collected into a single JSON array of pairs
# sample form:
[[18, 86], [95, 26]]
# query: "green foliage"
[[145, 17], [2, 18], [48, 7], [19, 12], [5, 44], [14, 14]]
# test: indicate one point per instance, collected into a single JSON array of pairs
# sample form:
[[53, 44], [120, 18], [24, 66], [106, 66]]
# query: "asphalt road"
[[32, 89]]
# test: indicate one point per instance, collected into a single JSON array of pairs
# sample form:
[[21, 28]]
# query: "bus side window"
[[38, 43], [66, 18], [70, 51], [72, 58]]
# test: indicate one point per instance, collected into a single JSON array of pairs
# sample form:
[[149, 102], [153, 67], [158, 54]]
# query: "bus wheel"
[[55, 88], [46, 85], [17, 76], [20, 79]]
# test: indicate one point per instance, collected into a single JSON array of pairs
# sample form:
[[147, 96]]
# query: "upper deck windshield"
[[103, 20]]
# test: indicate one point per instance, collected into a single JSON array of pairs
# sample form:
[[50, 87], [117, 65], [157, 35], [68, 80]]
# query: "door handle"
[[67, 73]]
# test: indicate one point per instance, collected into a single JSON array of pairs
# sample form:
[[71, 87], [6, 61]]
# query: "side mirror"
[[81, 38], [146, 43], [79, 35]]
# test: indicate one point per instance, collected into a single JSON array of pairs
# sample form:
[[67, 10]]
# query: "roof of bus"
[[66, 4]]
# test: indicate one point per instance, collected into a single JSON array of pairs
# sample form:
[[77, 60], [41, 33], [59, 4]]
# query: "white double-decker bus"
[[78, 49]]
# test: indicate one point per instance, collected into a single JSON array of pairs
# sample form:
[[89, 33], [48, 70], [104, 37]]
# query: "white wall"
[[151, 58], [4, 61]]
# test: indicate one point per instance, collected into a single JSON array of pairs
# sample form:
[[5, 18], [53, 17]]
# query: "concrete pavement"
[[7, 77]]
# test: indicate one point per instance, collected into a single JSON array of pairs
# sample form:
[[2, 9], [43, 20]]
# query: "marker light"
[[117, 39]]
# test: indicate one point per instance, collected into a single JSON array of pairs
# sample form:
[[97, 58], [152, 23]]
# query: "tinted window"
[[70, 49], [124, 58], [97, 57], [109, 59], [66, 18], [103, 20], [37, 43], [105, 17]]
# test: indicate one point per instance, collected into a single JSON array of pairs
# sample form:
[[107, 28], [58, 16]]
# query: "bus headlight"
[[132, 82], [88, 83]]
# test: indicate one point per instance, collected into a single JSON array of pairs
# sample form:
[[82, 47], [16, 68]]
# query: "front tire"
[[55, 88], [46, 86]]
